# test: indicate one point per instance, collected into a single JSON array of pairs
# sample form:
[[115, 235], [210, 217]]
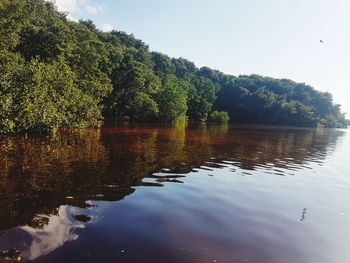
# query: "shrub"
[[219, 117]]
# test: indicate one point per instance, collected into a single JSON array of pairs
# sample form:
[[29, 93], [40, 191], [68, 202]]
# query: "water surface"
[[201, 193]]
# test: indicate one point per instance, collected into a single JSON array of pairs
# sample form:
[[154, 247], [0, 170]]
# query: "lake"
[[195, 193]]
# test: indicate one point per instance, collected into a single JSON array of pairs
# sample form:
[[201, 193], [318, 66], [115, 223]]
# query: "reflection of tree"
[[37, 174], [213, 129], [251, 148]]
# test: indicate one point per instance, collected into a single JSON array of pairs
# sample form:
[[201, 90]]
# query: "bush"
[[219, 117]]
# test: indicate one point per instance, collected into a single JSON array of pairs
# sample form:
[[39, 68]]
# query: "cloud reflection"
[[55, 230]]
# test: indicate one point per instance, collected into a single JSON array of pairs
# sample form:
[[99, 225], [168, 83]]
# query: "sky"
[[276, 38]]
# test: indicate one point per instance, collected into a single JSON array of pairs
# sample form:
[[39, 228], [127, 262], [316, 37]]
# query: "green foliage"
[[9, 64], [58, 73], [172, 99], [134, 89], [201, 98], [49, 77], [256, 99], [162, 64], [219, 117], [12, 19], [184, 69], [43, 97]]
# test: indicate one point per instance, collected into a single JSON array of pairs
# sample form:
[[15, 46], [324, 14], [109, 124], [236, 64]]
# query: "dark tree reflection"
[[38, 174]]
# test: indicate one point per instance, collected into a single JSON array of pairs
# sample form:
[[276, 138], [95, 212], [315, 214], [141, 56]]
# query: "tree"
[[134, 89], [184, 69], [201, 98], [172, 99], [162, 64]]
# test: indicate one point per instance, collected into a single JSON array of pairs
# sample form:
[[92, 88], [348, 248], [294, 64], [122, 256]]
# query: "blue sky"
[[268, 37]]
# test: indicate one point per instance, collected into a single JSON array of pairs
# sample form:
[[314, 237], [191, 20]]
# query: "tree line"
[[57, 73]]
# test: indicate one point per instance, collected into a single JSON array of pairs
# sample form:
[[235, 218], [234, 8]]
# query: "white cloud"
[[66, 5], [107, 27], [78, 6], [90, 8]]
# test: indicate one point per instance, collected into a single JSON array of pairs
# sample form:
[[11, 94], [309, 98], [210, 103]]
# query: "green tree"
[[172, 99], [134, 88], [162, 64], [201, 98]]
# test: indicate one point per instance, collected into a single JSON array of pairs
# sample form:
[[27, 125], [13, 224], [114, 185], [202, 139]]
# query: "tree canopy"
[[57, 73]]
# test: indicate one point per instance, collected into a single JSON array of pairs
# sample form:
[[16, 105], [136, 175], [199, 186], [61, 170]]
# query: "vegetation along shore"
[[56, 73]]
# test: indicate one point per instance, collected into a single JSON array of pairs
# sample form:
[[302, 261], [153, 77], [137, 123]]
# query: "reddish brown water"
[[202, 193]]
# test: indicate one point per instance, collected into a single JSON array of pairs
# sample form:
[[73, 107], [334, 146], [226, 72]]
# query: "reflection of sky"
[[36, 242], [60, 229]]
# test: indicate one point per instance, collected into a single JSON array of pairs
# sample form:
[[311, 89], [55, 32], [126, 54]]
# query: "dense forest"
[[59, 73]]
